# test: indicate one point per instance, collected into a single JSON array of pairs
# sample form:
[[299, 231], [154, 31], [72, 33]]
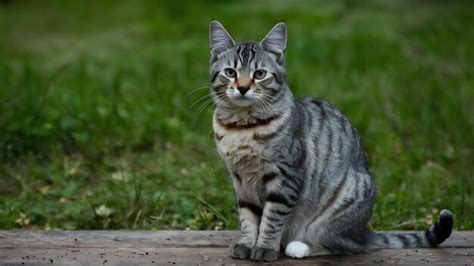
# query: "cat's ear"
[[275, 42], [219, 38]]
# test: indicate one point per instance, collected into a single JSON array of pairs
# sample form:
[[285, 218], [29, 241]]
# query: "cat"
[[298, 167]]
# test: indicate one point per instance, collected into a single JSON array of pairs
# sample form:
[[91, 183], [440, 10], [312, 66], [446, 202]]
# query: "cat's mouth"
[[242, 100], [239, 99]]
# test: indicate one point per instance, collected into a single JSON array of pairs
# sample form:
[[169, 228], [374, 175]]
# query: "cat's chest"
[[245, 158], [243, 149], [239, 146]]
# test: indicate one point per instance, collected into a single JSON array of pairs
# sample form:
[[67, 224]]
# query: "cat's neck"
[[254, 114]]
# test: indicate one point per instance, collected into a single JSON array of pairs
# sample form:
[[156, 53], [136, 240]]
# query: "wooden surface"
[[191, 248]]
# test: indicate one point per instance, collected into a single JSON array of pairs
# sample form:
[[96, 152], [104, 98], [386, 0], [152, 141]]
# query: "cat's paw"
[[297, 249], [239, 251], [264, 254]]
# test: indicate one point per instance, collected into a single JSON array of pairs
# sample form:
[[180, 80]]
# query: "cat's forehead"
[[246, 48], [246, 52]]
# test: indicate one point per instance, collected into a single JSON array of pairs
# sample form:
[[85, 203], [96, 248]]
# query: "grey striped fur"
[[298, 167]]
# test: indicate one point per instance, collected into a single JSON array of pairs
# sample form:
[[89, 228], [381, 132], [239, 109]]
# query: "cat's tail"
[[433, 236]]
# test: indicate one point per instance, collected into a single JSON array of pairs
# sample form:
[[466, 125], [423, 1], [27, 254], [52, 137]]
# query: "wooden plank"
[[96, 239], [190, 247]]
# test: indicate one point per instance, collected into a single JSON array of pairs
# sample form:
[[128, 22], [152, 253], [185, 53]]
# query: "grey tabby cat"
[[298, 166]]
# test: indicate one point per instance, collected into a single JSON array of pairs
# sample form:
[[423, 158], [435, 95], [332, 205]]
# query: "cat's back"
[[334, 137]]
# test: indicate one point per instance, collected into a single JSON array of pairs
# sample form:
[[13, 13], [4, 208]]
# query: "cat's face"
[[247, 73]]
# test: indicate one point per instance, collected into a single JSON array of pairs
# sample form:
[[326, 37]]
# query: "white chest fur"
[[245, 149], [242, 153]]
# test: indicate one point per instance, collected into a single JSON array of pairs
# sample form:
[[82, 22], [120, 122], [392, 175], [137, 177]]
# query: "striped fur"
[[299, 170]]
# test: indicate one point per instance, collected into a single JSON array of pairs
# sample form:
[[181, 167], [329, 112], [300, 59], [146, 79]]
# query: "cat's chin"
[[242, 102]]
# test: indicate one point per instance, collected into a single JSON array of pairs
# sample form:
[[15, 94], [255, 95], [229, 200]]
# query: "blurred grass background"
[[103, 124]]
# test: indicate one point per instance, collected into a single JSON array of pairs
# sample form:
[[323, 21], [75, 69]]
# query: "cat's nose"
[[243, 90]]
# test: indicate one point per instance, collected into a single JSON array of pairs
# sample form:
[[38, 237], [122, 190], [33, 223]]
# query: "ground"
[[105, 123]]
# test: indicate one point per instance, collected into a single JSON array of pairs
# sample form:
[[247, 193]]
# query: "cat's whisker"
[[265, 104], [205, 114], [197, 90], [196, 117], [272, 98], [204, 106], [199, 100]]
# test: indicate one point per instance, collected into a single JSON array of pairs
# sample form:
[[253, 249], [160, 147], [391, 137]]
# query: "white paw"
[[297, 249]]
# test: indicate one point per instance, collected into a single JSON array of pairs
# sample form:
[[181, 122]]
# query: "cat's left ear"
[[275, 42], [219, 38]]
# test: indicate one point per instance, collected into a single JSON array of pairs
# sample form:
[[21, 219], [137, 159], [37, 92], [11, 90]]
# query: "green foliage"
[[105, 123]]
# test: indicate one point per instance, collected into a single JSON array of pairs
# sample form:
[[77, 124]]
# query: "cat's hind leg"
[[298, 250]]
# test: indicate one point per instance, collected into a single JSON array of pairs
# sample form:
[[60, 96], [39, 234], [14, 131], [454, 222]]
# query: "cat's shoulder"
[[320, 105]]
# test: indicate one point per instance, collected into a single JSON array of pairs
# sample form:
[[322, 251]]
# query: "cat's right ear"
[[219, 38], [275, 42]]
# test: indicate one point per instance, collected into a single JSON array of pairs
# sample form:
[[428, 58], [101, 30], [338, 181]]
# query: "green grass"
[[97, 127]]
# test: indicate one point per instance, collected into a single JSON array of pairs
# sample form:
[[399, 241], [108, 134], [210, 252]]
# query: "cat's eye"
[[259, 74], [230, 72]]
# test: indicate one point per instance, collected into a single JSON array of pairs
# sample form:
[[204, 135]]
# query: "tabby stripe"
[[284, 173], [259, 137], [278, 198], [272, 219], [298, 182], [274, 93], [280, 212], [319, 133], [290, 186], [218, 137], [417, 238], [277, 79], [280, 128], [214, 76], [404, 240], [301, 157], [335, 194], [268, 177], [293, 197], [322, 114], [340, 146], [252, 207], [343, 206], [234, 126], [265, 82], [268, 237], [293, 181], [270, 232], [218, 87], [281, 223], [252, 54], [272, 226], [329, 148], [385, 239], [367, 187], [237, 176], [321, 181], [223, 79]]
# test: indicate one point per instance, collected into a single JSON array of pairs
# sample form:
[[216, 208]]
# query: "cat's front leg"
[[249, 215], [282, 194]]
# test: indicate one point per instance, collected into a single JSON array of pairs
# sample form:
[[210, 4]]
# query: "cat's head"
[[247, 73]]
